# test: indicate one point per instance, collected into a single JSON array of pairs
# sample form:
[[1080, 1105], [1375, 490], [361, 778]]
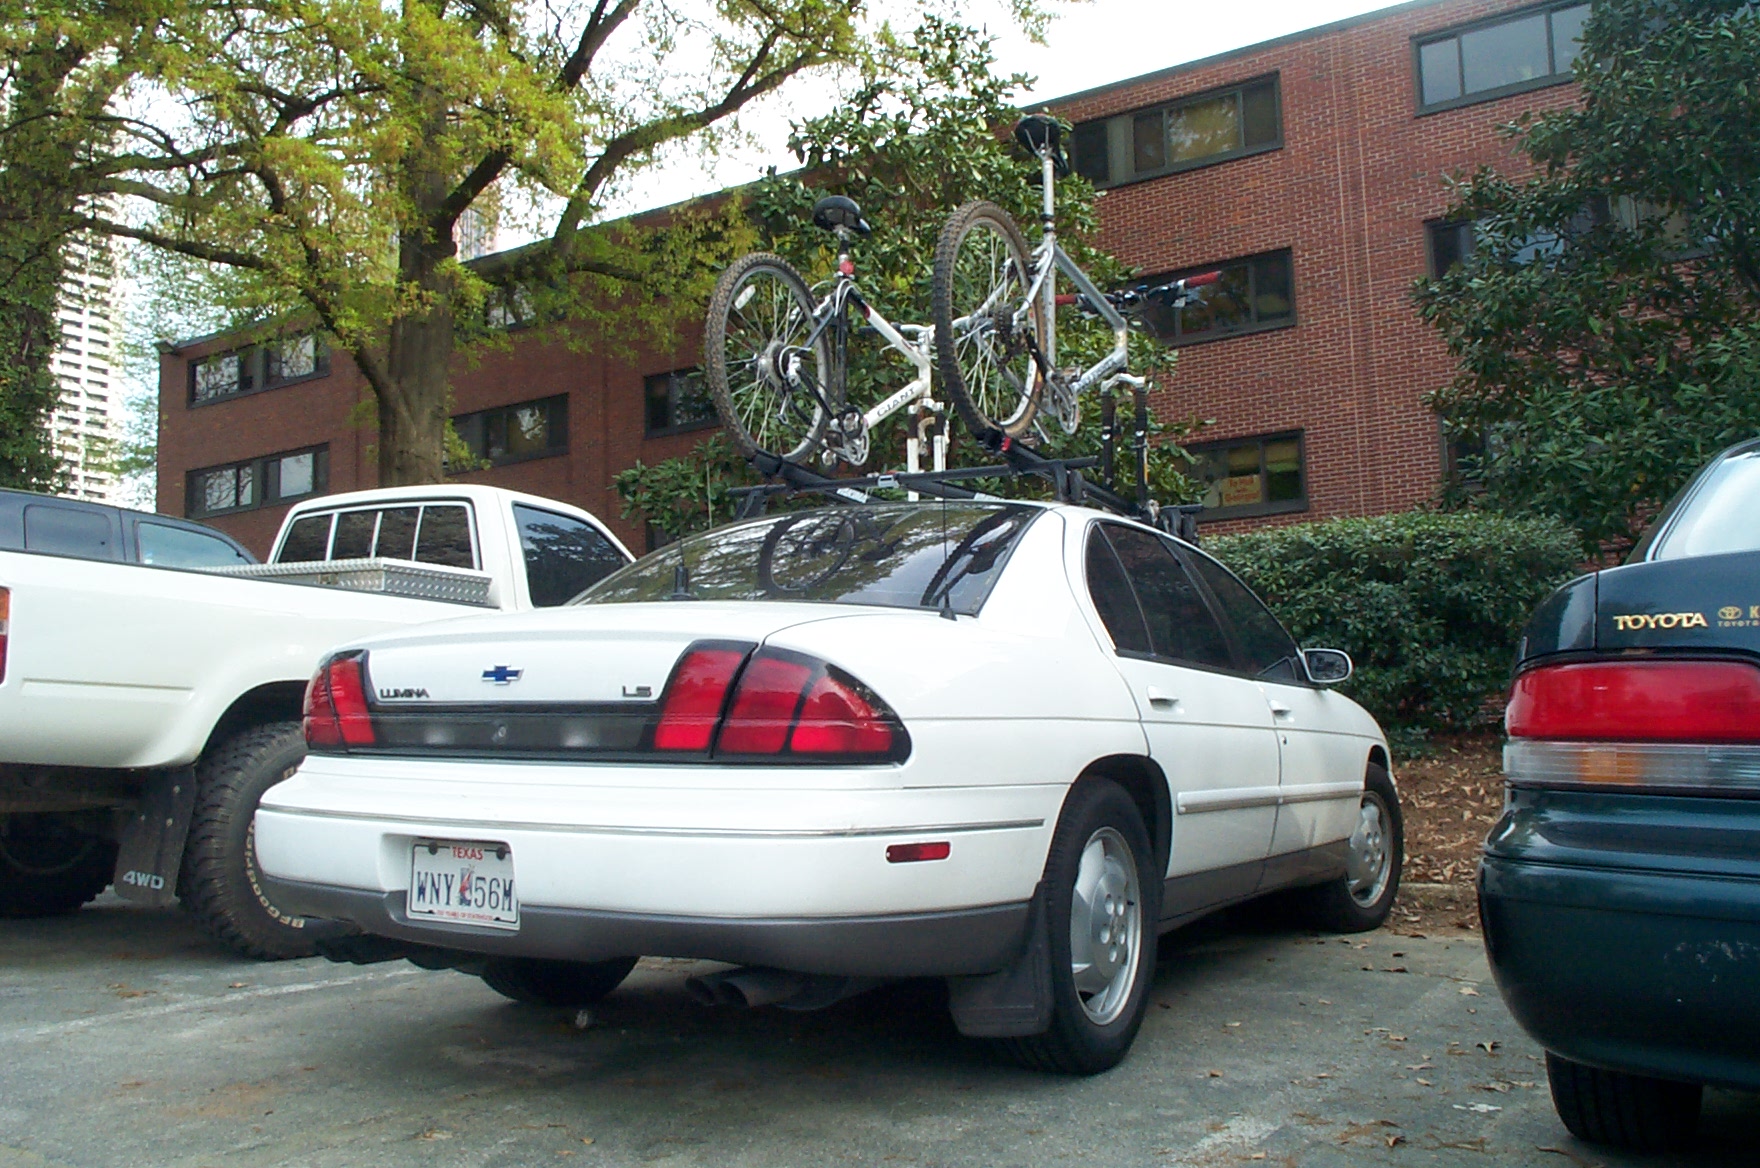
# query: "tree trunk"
[[413, 400], [417, 387]]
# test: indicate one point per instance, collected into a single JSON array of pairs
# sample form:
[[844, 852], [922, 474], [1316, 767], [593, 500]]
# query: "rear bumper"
[[1625, 961], [968, 941]]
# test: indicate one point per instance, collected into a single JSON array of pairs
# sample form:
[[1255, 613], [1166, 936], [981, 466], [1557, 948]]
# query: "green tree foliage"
[[1429, 605], [910, 144], [1607, 324], [319, 154], [60, 66]]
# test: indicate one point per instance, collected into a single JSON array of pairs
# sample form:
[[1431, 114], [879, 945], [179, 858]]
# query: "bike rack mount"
[[787, 478]]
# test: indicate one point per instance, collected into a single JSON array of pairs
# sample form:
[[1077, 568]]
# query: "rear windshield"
[[924, 555], [1721, 513]]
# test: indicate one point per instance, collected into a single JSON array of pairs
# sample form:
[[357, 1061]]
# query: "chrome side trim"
[[1196, 802], [481, 825]]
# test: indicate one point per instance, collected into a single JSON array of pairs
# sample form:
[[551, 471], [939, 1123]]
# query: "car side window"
[[1113, 598], [69, 531], [308, 539], [179, 547], [444, 537], [564, 556], [397, 533], [1181, 626], [1268, 651]]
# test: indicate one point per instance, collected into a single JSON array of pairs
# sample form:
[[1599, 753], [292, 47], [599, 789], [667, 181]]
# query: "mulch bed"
[[1451, 797]]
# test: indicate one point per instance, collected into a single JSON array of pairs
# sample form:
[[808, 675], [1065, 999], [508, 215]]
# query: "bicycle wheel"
[[984, 357], [755, 337]]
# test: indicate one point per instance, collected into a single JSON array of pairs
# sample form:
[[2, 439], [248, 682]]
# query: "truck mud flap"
[[151, 849]]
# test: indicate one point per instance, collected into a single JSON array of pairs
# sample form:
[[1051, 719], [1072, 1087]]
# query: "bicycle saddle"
[[1039, 132], [835, 211]]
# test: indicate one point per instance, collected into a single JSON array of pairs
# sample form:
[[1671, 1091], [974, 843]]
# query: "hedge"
[[1429, 605]]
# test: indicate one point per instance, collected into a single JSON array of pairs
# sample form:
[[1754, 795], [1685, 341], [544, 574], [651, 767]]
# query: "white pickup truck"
[[145, 710]]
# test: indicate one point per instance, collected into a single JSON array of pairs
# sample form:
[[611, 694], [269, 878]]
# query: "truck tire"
[[49, 867], [219, 884]]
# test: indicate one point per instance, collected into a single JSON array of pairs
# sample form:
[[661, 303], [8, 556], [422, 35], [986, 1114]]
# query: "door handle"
[[1281, 711], [1160, 699]]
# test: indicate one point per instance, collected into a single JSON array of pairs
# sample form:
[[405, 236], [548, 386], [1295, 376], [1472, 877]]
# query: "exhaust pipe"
[[754, 986]]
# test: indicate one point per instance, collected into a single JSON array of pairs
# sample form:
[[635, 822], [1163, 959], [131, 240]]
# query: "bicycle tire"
[[994, 381], [830, 559], [760, 411]]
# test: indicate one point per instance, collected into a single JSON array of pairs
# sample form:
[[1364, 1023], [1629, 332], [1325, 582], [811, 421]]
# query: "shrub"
[[1429, 605]]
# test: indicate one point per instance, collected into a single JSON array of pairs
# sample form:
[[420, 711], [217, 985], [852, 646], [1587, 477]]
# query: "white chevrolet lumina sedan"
[[1006, 744]]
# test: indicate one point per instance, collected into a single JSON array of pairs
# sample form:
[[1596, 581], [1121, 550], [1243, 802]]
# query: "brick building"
[[1309, 169]]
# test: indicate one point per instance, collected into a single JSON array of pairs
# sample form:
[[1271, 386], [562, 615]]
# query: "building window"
[[275, 478], [1253, 294], [676, 402], [280, 362], [1251, 476], [1451, 242], [1509, 54], [1195, 131], [534, 429]]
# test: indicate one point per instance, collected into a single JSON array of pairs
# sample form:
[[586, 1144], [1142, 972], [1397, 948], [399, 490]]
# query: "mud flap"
[[1015, 1002], [151, 849]]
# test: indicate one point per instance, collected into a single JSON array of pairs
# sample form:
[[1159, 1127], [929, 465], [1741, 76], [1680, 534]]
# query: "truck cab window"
[[444, 537], [563, 556], [307, 539]]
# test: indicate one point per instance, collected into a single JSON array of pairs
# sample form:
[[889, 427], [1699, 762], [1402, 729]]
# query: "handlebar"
[[1174, 294]]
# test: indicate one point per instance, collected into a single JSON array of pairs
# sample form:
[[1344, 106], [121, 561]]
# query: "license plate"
[[466, 882]]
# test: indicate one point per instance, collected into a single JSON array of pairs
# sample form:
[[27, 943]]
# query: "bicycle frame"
[[1049, 256], [850, 442]]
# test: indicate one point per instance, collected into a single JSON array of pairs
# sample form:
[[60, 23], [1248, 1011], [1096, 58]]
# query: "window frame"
[[1181, 341], [258, 468], [255, 363], [1257, 510], [673, 378], [1200, 593], [558, 403], [1455, 32], [1166, 107]]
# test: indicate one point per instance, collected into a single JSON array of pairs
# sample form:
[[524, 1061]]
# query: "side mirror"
[[1327, 666]]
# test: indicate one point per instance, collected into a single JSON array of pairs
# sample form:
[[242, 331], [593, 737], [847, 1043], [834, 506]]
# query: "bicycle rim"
[[981, 281], [756, 337]]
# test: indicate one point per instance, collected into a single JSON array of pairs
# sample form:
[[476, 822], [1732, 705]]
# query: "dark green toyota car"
[[1620, 891]]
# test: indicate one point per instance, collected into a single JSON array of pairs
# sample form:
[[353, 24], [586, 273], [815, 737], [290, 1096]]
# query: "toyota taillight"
[[5, 624], [1690, 726], [336, 714], [773, 704], [1646, 701]]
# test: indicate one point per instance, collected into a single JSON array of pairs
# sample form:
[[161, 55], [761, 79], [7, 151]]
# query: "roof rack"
[[1064, 474]]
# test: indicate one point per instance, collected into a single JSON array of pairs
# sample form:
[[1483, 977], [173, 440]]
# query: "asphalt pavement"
[[130, 1039]]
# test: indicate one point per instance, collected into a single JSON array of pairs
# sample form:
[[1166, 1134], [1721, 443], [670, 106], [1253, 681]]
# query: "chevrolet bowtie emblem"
[[502, 675]]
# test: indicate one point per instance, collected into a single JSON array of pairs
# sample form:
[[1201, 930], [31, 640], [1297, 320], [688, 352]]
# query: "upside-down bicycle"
[[777, 359], [995, 310]]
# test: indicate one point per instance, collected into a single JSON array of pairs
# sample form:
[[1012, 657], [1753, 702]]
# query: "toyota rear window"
[[924, 555], [1717, 515]]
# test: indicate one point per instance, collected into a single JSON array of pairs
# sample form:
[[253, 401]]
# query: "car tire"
[[219, 883], [1361, 899], [1621, 1110], [1100, 972], [538, 982], [48, 867]]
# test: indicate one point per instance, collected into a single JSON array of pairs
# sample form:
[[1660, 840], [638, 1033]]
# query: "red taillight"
[[5, 623], [336, 714], [764, 706], [1638, 701], [691, 706], [780, 703]]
